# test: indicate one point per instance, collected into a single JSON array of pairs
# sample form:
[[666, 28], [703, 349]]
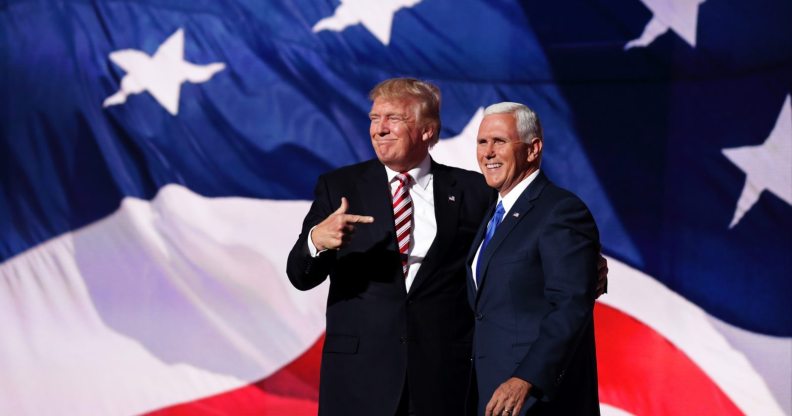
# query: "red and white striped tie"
[[402, 215]]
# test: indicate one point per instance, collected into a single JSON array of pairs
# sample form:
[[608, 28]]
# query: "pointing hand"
[[337, 229]]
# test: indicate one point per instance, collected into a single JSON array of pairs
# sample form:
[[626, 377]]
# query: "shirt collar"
[[420, 173], [511, 198]]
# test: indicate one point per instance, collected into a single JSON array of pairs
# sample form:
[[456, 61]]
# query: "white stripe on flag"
[[105, 320], [689, 328]]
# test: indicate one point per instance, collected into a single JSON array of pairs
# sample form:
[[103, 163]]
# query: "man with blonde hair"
[[392, 234]]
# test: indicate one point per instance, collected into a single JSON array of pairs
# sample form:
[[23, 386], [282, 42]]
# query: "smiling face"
[[399, 138], [502, 157]]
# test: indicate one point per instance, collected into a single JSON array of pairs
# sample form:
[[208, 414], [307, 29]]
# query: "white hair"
[[528, 124]]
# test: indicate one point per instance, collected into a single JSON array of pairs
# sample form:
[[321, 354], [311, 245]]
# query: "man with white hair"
[[532, 279]]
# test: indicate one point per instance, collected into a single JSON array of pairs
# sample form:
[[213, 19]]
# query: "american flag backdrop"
[[157, 158]]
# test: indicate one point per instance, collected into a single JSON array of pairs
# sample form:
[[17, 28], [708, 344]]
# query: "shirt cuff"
[[311, 247]]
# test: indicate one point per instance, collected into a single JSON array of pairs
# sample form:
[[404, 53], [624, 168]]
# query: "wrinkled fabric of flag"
[[157, 158]]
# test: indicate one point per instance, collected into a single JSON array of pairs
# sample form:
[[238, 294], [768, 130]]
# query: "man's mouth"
[[493, 165]]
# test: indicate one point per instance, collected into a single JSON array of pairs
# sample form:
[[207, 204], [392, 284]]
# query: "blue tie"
[[493, 224]]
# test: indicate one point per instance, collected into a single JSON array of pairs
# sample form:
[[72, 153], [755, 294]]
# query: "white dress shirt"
[[508, 202], [424, 227]]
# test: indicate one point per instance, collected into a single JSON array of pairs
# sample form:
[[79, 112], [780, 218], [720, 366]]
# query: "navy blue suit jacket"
[[534, 305]]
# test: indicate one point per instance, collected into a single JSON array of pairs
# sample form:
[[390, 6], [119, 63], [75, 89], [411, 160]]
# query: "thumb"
[[342, 209]]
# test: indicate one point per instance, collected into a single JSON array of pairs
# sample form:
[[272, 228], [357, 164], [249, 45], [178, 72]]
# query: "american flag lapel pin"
[[516, 215], [452, 198]]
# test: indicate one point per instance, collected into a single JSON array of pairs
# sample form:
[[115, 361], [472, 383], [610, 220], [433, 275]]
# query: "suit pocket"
[[502, 258], [341, 344]]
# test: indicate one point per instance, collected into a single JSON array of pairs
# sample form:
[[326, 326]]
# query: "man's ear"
[[428, 132], [535, 149]]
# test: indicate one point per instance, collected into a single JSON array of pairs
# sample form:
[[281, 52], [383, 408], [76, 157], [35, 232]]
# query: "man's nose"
[[489, 151], [382, 127]]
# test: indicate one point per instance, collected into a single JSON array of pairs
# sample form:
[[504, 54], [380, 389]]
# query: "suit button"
[[479, 316], [403, 340]]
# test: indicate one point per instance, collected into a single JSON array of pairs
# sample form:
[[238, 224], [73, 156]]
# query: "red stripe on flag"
[[293, 390], [643, 373], [640, 372]]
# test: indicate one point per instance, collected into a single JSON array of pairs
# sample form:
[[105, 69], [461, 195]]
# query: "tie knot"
[[404, 178], [499, 211]]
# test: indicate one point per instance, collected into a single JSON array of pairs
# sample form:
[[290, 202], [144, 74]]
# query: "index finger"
[[490, 409], [358, 219]]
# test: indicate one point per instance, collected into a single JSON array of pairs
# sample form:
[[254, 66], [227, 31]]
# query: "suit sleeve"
[[304, 271], [568, 248]]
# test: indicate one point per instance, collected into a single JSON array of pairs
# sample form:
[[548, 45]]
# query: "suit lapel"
[[472, 291], [375, 197], [520, 210], [447, 197]]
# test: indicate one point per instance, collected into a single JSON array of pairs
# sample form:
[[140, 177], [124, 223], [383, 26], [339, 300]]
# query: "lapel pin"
[[452, 198], [516, 215]]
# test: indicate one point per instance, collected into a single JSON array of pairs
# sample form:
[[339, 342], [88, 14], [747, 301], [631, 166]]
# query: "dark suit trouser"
[[406, 406]]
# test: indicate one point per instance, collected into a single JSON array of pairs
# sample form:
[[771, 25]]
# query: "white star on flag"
[[767, 166], [161, 75], [376, 16], [681, 16]]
